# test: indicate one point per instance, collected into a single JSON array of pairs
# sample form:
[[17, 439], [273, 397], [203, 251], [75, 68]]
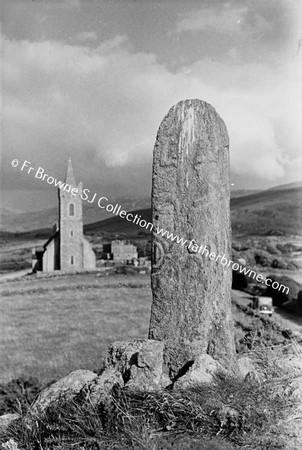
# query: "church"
[[67, 249]]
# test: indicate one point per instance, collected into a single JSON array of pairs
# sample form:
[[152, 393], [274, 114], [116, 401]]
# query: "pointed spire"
[[70, 178]]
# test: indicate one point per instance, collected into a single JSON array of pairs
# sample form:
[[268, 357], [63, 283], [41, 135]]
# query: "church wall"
[[49, 257], [89, 256]]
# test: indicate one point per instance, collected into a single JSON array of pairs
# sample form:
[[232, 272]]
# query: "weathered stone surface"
[[202, 371], [191, 309], [6, 420], [63, 390], [245, 365], [122, 355], [148, 374], [248, 370], [141, 364], [100, 388]]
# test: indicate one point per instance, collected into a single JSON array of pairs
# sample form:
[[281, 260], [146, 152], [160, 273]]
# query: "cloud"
[[220, 20], [84, 36], [103, 107], [226, 19]]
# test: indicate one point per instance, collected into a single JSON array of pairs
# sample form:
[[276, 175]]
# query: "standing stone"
[[191, 309]]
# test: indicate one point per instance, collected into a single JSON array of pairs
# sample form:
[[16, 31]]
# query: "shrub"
[[279, 297], [272, 250], [262, 258]]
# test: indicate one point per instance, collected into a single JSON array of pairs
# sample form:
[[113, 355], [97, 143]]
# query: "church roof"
[[70, 178], [56, 234]]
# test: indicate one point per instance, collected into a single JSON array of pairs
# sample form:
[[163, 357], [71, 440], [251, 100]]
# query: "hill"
[[33, 220], [243, 192], [282, 187], [276, 211], [45, 218], [120, 227], [270, 212]]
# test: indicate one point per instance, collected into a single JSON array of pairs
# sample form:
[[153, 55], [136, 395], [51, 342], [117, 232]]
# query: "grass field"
[[49, 327], [53, 325]]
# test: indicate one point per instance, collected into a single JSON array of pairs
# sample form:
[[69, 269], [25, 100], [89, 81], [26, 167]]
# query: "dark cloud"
[[103, 104]]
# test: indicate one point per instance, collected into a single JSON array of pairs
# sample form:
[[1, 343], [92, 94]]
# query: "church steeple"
[[70, 178], [71, 223]]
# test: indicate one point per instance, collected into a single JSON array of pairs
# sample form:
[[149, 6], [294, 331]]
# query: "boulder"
[[148, 375], [122, 355], [246, 367], [141, 364], [281, 248], [242, 261], [203, 370], [100, 388], [278, 264], [272, 250], [63, 390]]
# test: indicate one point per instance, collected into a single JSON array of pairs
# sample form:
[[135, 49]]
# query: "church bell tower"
[[71, 223]]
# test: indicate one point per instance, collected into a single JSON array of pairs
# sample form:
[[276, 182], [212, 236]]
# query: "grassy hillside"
[[276, 211], [117, 225], [271, 212], [34, 220]]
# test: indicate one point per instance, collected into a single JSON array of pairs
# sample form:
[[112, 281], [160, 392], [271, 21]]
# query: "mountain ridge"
[[270, 212]]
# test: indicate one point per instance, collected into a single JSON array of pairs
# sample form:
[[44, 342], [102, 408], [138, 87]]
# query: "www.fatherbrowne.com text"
[[103, 203]]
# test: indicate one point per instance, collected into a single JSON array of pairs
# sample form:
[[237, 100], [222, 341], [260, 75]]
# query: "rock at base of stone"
[[245, 365], [63, 390], [81, 385], [122, 355], [203, 370], [140, 363], [100, 390]]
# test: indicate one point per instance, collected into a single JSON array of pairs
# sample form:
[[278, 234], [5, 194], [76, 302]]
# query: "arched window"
[[71, 233], [71, 209], [71, 260]]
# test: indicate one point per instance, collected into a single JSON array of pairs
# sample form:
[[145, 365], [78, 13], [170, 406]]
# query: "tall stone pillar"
[[191, 309]]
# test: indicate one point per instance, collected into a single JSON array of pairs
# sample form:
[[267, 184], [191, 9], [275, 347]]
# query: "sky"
[[93, 80]]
